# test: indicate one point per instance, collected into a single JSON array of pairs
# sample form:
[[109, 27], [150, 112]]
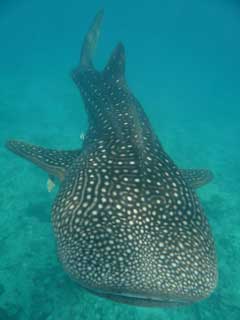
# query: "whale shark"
[[127, 221]]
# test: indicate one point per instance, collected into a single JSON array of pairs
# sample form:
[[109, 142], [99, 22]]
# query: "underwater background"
[[183, 65]]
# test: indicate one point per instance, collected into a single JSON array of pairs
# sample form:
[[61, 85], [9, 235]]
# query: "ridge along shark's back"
[[128, 223]]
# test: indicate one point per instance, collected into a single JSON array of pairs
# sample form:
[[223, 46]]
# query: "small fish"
[[82, 136], [128, 223], [50, 184]]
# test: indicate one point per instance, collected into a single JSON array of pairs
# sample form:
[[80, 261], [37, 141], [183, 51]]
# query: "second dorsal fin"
[[115, 67]]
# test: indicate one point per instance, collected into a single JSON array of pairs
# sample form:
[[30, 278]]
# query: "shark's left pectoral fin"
[[197, 178], [54, 162]]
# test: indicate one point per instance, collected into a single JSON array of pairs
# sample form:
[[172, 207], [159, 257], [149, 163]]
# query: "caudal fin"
[[90, 42]]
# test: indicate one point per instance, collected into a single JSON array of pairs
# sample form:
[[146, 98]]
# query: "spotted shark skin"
[[128, 223]]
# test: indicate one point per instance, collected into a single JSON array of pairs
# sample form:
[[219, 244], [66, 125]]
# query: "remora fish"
[[127, 221]]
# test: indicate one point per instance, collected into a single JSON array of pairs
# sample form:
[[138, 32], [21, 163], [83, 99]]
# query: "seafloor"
[[197, 124]]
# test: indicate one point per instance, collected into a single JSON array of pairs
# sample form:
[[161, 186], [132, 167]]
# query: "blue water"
[[183, 65]]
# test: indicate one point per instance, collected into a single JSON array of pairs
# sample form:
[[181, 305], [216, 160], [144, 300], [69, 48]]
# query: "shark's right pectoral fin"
[[54, 162], [197, 178]]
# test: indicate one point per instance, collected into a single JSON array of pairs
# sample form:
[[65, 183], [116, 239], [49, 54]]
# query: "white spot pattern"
[[133, 223]]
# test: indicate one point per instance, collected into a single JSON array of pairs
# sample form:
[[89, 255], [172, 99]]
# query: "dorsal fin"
[[115, 67]]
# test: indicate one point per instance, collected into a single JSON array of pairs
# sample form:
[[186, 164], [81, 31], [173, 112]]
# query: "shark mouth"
[[145, 300]]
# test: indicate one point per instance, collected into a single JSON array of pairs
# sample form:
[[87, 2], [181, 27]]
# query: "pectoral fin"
[[54, 162], [197, 177]]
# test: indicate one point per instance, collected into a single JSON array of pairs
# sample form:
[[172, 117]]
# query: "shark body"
[[128, 223]]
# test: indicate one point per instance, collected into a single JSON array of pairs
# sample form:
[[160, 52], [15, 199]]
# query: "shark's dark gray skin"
[[127, 220]]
